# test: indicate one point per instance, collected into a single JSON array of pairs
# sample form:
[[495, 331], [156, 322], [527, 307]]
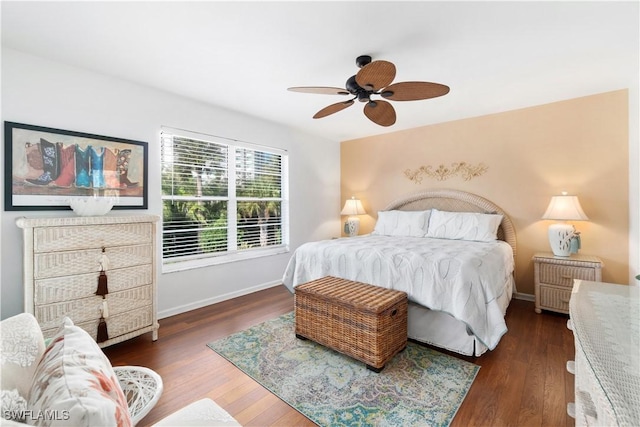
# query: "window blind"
[[220, 197]]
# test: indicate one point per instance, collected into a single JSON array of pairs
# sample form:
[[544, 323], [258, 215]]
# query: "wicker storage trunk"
[[366, 322]]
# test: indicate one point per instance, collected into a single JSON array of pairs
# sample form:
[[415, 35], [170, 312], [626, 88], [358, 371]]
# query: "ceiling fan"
[[374, 78]]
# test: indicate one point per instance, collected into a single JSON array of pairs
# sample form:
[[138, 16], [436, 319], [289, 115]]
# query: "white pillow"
[[21, 348], [75, 381], [402, 223], [472, 226]]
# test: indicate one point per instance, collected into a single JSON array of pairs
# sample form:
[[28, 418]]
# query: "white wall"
[[39, 92]]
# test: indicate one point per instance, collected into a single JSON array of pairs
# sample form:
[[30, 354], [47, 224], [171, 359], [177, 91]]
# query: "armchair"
[[68, 382]]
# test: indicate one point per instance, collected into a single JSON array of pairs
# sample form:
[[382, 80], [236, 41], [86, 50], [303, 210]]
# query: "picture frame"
[[46, 167]]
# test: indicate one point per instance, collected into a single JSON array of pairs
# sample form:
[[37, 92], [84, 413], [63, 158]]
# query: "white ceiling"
[[495, 56]]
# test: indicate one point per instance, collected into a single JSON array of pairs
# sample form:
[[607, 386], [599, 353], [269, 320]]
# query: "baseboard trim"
[[524, 297], [203, 303], [219, 298]]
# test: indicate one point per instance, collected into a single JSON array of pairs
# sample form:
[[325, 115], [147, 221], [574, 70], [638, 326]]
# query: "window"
[[223, 200]]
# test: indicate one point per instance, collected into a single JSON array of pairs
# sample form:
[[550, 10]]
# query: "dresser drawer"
[[86, 309], [66, 288], [553, 298], [55, 264], [117, 325], [48, 239], [563, 275]]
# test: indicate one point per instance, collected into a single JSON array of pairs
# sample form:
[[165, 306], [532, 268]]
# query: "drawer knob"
[[571, 410], [571, 367]]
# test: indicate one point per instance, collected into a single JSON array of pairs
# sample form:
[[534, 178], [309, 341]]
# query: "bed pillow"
[[402, 223], [472, 226], [75, 381]]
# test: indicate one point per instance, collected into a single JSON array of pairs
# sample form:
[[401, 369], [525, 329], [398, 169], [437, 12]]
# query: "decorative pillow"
[[464, 226], [75, 384], [21, 348], [402, 223]]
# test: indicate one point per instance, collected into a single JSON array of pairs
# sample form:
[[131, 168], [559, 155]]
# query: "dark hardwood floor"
[[523, 382]]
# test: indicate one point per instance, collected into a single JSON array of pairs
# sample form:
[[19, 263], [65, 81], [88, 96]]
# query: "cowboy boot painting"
[[124, 158], [111, 168], [82, 167], [67, 165], [50, 163], [35, 167], [97, 166]]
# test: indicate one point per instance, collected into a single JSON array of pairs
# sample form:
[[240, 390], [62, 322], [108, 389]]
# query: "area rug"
[[418, 387]]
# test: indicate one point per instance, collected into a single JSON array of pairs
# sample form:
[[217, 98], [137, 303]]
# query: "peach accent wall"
[[578, 145]]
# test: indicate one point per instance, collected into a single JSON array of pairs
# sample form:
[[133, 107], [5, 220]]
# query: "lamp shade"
[[353, 206], [565, 208]]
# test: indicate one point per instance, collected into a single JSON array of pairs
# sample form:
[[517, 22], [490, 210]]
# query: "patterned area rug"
[[418, 387]]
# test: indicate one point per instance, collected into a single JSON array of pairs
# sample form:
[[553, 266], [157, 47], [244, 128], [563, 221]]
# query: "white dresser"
[[63, 260], [605, 319]]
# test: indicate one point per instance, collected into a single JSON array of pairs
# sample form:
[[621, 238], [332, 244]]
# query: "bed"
[[453, 252]]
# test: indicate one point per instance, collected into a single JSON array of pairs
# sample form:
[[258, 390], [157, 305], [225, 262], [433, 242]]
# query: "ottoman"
[[366, 322]]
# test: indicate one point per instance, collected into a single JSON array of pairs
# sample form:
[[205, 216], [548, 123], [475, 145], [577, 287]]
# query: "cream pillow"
[[402, 223], [472, 226], [21, 347], [76, 384]]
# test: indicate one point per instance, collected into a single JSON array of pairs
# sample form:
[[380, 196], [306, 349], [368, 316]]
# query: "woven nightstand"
[[554, 276]]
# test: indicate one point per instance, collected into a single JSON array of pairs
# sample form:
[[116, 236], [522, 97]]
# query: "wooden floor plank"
[[522, 382]]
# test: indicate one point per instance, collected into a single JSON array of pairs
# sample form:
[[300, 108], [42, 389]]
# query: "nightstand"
[[554, 276]]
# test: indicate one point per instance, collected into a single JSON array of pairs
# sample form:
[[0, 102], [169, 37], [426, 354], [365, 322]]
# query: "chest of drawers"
[[554, 276], [605, 319], [63, 261]]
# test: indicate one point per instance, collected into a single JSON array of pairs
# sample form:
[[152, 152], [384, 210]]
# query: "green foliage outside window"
[[195, 188]]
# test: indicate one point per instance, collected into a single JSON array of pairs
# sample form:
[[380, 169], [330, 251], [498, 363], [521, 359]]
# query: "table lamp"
[[352, 207], [563, 208]]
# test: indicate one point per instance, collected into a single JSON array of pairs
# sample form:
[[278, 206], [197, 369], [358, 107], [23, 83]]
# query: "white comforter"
[[458, 277]]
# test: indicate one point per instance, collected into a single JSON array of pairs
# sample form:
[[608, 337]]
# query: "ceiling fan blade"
[[376, 75], [413, 91], [380, 112], [333, 108], [320, 90]]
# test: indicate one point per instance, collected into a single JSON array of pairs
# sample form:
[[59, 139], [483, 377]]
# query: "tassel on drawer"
[[103, 289], [103, 334]]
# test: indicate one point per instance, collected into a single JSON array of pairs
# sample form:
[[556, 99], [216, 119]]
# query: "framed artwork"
[[45, 167]]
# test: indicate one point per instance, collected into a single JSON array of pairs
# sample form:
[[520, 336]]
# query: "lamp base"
[[560, 235], [352, 226]]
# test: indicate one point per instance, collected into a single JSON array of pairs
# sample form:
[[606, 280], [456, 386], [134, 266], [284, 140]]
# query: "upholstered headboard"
[[457, 201]]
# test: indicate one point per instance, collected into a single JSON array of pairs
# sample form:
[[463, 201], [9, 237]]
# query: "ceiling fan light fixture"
[[352, 86], [363, 97]]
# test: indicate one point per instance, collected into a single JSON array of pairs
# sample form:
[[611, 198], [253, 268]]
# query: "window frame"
[[204, 260]]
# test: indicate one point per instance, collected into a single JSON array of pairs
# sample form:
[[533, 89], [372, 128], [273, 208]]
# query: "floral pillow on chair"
[[75, 384]]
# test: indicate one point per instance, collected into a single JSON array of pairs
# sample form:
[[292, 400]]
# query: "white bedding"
[[461, 278]]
